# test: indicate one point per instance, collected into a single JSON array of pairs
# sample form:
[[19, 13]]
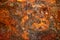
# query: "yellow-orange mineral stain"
[[44, 25], [31, 1], [50, 1], [24, 19], [25, 35], [21, 0]]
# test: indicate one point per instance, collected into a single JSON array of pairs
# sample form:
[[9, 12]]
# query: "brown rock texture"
[[29, 20]]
